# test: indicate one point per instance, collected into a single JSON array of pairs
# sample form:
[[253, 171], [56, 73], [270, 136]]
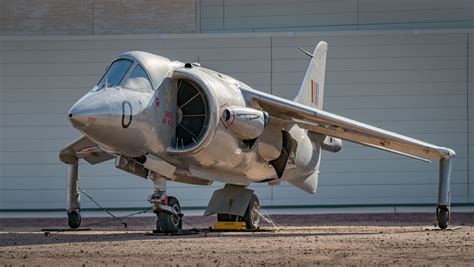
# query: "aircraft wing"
[[84, 148], [330, 124]]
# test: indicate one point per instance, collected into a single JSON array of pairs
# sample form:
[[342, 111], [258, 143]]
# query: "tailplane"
[[311, 91]]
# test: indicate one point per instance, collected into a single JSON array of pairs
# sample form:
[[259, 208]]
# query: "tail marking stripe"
[[314, 92]]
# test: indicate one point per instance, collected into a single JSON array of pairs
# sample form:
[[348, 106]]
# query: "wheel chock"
[[236, 226]]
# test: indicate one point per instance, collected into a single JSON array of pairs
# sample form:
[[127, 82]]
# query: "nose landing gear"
[[167, 208]]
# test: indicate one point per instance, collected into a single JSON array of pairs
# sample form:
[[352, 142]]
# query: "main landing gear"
[[251, 216], [169, 218]]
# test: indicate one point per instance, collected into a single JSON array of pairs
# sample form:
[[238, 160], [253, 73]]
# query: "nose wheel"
[[169, 222], [167, 208]]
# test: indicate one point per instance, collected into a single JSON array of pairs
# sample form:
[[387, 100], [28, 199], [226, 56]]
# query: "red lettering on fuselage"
[[169, 118]]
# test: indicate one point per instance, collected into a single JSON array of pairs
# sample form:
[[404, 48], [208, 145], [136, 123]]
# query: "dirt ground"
[[355, 239]]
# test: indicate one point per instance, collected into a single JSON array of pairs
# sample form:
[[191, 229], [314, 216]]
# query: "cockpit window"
[[115, 73], [138, 80]]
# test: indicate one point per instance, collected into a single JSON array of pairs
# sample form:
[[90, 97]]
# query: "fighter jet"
[[166, 120]]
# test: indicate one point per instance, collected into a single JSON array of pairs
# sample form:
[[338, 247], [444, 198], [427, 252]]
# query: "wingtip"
[[447, 153], [451, 153]]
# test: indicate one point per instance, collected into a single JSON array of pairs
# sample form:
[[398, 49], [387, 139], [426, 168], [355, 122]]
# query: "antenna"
[[306, 52]]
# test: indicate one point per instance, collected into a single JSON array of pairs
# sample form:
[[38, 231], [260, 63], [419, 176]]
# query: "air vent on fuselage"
[[192, 115]]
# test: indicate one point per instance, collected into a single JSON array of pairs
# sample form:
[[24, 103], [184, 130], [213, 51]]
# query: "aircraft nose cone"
[[78, 121], [87, 110], [80, 114]]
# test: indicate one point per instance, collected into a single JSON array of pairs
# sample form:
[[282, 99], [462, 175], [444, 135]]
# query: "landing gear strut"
[[167, 208], [73, 197]]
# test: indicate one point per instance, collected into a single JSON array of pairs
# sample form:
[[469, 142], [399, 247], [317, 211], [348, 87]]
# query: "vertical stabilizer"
[[311, 91]]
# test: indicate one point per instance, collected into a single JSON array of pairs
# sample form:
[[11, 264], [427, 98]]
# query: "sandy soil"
[[362, 239]]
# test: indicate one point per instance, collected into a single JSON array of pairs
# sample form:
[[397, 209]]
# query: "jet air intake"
[[246, 123]]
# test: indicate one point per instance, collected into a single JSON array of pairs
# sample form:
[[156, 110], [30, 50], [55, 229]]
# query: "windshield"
[[138, 80], [114, 75]]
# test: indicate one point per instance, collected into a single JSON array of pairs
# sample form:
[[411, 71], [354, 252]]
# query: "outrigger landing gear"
[[167, 208], [73, 197], [442, 211]]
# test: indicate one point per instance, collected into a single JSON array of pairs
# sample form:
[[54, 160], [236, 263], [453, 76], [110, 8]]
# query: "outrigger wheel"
[[168, 222], [442, 215], [74, 219]]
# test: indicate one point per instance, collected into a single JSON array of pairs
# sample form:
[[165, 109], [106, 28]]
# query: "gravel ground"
[[351, 239]]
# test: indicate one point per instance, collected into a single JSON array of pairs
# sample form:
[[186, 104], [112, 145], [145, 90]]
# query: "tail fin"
[[312, 88]]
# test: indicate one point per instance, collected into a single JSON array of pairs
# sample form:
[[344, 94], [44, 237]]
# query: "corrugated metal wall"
[[415, 84], [470, 117], [335, 15]]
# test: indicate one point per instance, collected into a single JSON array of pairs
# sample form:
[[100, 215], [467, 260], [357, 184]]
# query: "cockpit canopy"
[[136, 71]]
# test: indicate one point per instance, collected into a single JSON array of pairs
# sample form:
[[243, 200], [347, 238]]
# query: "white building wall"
[[414, 84]]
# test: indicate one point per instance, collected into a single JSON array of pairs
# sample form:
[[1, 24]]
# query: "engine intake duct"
[[192, 115]]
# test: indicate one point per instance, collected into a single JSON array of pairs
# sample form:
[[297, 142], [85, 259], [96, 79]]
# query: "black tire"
[[74, 219], [227, 218], [442, 215], [252, 215], [167, 222]]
